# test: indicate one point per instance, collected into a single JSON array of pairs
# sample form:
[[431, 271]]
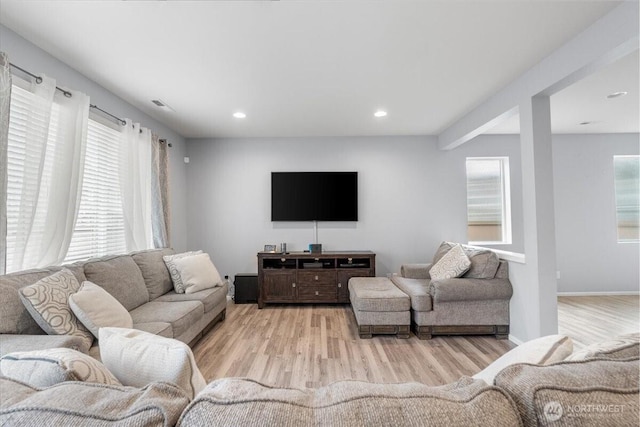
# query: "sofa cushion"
[[138, 358], [622, 347], [539, 351], [14, 317], [233, 401], [211, 298], [154, 270], [96, 308], [591, 392], [78, 403], [156, 328], [120, 276], [173, 271], [197, 272], [453, 264], [47, 301], [44, 368], [463, 289], [377, 294], [10, 343], [180, 314], [418, 291]]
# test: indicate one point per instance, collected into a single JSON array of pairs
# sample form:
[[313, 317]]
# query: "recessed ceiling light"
[[585, 123], [616, 95], [380, 113], [239, 115]]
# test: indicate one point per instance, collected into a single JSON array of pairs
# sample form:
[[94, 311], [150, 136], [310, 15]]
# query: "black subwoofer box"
[[246, 288]]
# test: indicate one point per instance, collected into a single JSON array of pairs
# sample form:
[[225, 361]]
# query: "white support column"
[[538, 284]]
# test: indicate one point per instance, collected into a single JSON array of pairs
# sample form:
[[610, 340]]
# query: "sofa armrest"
[[415, 271], [10, 343], [461, 289]]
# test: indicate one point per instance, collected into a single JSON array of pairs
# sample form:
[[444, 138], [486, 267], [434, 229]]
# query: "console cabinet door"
[[343, 282], [279, 286]]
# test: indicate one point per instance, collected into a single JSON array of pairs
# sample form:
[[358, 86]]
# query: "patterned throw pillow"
[[178, 286], [47, 301], [44, 368], [453, 264]]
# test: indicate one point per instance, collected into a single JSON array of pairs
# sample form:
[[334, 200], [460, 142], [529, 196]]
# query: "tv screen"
[[314, 196]]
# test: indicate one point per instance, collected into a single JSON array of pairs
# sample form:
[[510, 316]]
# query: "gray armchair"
[[476, 303]]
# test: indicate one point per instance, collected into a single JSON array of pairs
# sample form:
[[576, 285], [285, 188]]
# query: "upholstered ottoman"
[[379, 306]]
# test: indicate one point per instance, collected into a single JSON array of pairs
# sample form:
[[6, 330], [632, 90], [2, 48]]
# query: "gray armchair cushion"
[[415, 271], [461, 289], [418, 291]]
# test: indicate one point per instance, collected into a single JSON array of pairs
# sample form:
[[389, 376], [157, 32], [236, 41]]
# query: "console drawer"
[[317, 278], [320, 293]]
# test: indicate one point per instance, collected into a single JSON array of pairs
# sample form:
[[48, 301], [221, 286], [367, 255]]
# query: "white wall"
[[411, 196], [589, 257], [30, 57]]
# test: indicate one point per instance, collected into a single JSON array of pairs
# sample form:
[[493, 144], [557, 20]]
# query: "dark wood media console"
[[303, 277]]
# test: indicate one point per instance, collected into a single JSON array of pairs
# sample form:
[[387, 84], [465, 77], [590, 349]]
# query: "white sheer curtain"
[[135, 186], [5, 97], [45, 174]]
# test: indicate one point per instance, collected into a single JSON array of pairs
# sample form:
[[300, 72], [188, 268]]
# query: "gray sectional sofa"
[[598, 390], [140, 281]]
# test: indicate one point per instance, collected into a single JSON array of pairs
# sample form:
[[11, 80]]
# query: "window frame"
[[505, 181]]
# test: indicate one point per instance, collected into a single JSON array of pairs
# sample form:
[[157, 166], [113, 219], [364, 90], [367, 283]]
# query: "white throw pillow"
[[96, 308], [173, 271], [540, 351], [453, 264], [197, 272], [138, 358], [44, 368], [47, 301]]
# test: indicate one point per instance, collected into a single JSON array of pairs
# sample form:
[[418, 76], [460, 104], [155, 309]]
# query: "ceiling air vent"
[[160, 103]]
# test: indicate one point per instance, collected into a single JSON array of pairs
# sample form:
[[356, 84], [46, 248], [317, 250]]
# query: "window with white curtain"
[[627, 192], [18, 153], [99, 228], [488, 200]]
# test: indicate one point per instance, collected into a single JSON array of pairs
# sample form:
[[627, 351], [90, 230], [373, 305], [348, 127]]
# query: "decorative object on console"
[[197, 272], [138, 358], [47, 302], [169, 260], [269, 248], [315, 248], [453, 264], [44, 368], [96, 308]]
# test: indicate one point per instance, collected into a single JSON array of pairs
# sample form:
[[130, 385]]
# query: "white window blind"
[[627, 191], [99, 228], [488, 205]]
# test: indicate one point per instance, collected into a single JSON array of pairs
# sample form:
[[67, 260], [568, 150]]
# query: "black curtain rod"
[[122, 122]]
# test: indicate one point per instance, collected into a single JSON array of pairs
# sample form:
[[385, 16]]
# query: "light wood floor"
[[589, 319], [311, 346]]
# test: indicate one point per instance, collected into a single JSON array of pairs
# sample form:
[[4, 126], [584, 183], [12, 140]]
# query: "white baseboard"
[[594, 294], [515, 340]]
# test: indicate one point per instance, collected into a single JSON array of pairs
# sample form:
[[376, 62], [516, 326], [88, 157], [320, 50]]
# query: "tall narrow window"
[[488, 201], [627, 190]]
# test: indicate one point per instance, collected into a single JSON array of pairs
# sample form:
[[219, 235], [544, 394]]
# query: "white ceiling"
[[317, 68]]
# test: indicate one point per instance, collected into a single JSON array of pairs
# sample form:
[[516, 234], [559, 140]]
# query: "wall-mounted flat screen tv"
[[314, 196]]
